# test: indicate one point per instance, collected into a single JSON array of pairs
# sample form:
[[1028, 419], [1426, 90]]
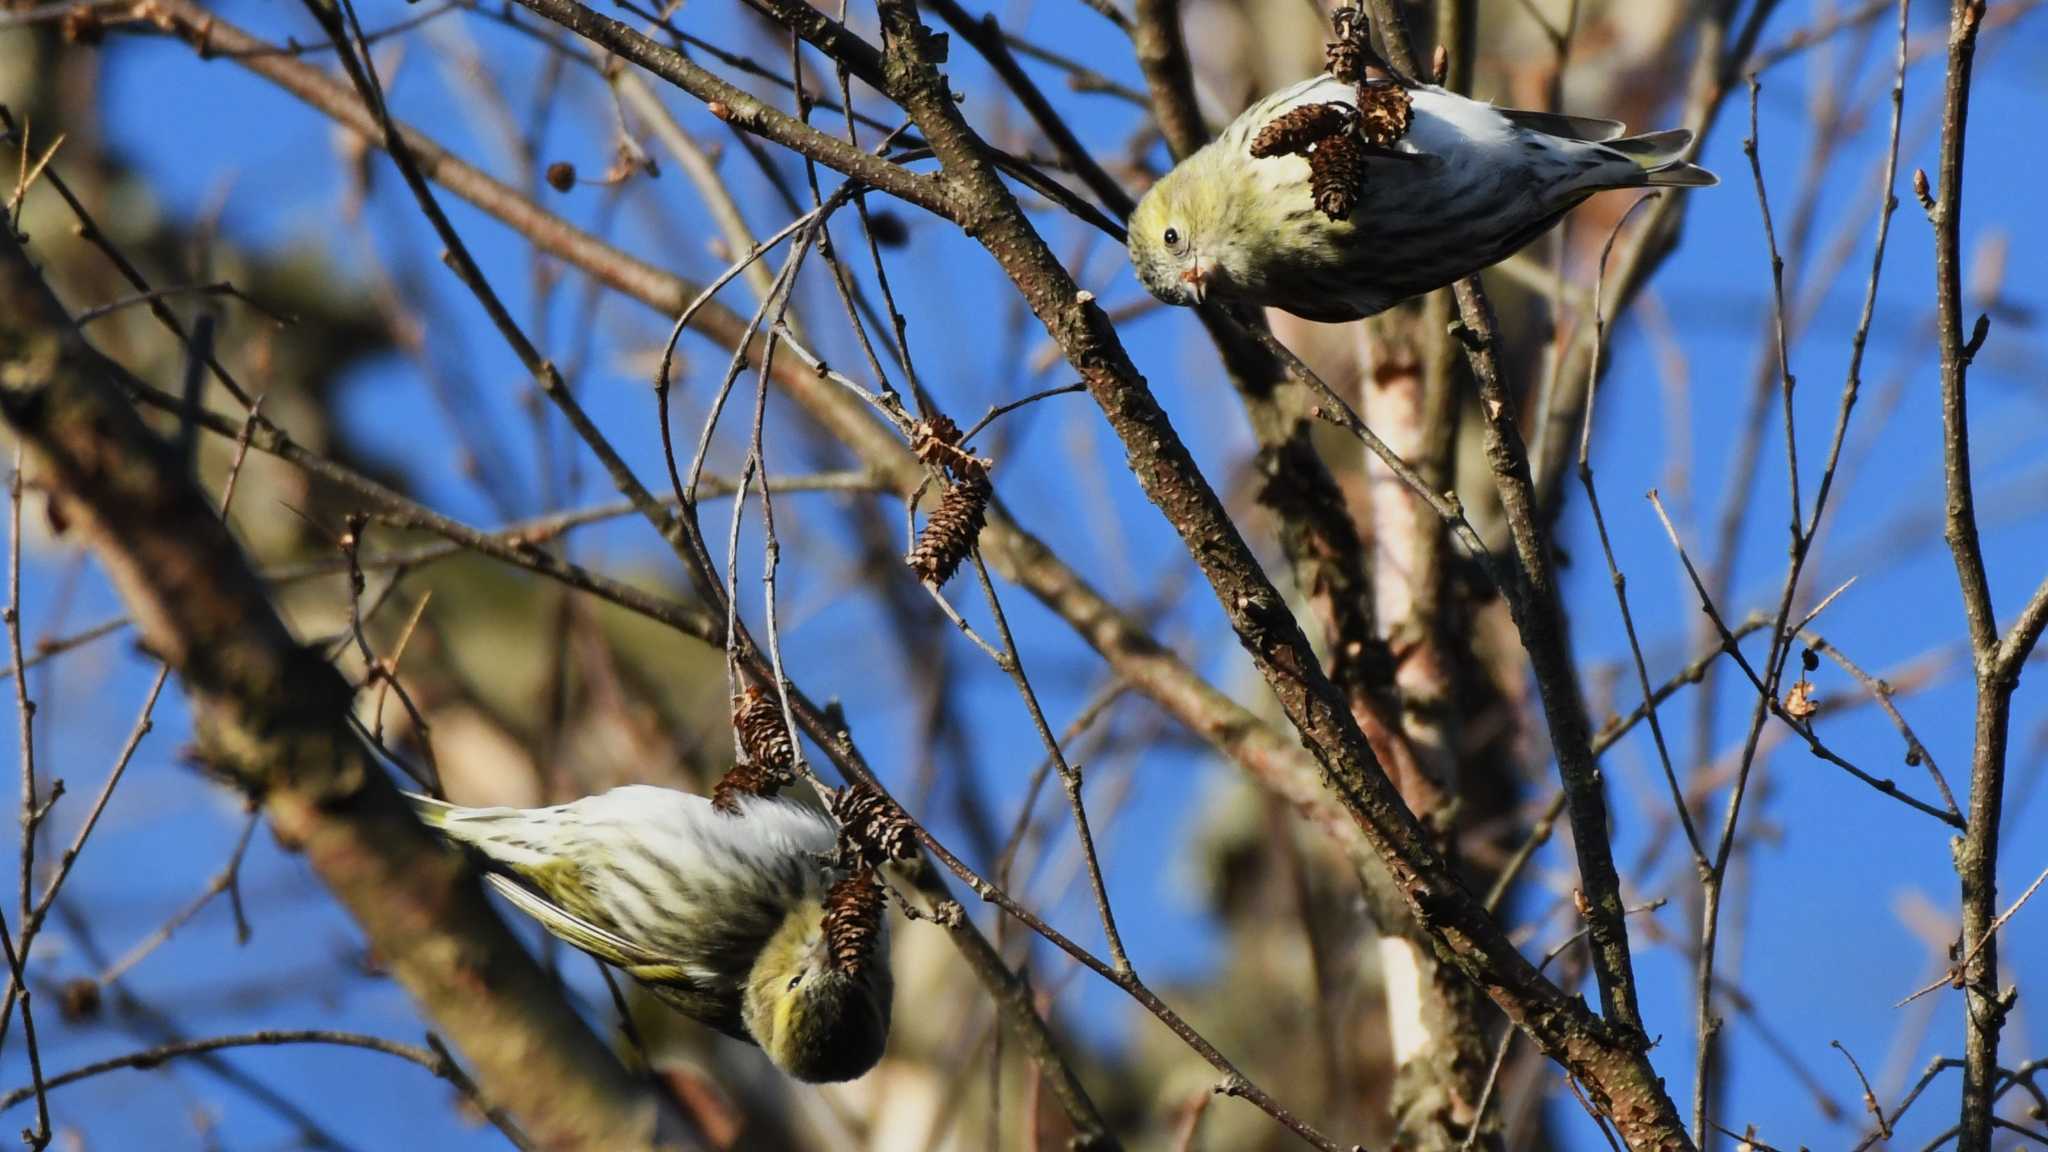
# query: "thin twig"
[[1881, 691], [17, 959], [996, 411], [53, 648], [1954, 976], [92, 233], [1768, 703], [1070, 774], [217, 288], [39, 1138], [1884, 1127], [1620, 582], [1752, 148], [434, 1061], [227, 880]]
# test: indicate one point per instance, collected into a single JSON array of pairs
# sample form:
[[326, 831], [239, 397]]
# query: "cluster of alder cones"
[[872, 832], [953, 527], [1335, 137]]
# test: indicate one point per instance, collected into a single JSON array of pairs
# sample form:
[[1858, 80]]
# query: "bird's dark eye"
[[795, 980], [1172, 237]]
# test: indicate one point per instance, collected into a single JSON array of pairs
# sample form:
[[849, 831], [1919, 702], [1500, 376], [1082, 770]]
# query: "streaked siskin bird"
[[1465, 187], [722, 916]]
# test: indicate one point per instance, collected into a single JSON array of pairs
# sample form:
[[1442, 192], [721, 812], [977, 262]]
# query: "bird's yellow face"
[[1182, 242], [815, 1022]]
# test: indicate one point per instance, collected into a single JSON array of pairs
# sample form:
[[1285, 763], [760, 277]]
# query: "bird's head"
[[816, 1021], [1183, 244]]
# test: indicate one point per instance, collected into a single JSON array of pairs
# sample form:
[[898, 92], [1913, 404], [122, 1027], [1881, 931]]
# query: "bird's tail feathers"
[[515, 838], [433, 813], [1661, 155]]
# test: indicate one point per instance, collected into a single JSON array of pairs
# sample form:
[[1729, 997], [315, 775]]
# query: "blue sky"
[[1826, 950]]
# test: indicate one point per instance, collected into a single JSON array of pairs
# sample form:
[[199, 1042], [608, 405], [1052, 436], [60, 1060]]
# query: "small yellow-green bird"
[[720, 915], [1464, 187]]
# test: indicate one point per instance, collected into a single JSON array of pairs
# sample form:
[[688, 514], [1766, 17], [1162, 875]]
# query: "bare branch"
[[434, 1059], [1163, 58], [1257, 611]]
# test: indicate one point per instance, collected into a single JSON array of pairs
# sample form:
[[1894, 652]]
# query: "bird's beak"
[[1196, 278]]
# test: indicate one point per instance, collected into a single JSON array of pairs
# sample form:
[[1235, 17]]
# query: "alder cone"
[[1301, 128], [1346, 57], [933, 436], [853, 919], [949, 535], [871, 826], [745, 779], [936, 442], [1384, 111], [1336, 172], [770, 763]]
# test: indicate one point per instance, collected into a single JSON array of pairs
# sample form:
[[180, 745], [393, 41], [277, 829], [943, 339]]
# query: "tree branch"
[[1614, 1064], [1163, 58], [1977, 857], [2026, 632]]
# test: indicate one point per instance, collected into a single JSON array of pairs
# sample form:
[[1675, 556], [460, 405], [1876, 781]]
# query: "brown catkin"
[[853, 919], [1347, 57], [757, 717], [1336, 172], [1383, 112], [770, 759], [950, 532], [936, 441], [1301, 128], [874, 830], [743, 779]]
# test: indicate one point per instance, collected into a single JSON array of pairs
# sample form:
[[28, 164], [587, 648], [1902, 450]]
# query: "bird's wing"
[[675, 833], [672, 841], [1590, 129], [682, 986], [599, 941]]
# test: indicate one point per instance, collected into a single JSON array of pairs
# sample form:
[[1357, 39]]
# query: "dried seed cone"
[[745, 779], [763, 734], [770, 762], [936, 441], [953, 527], [1300, 128], [1346, 56], [1383, 112], [1336, 173], [933, 436], [871, 826], [853, 919]]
